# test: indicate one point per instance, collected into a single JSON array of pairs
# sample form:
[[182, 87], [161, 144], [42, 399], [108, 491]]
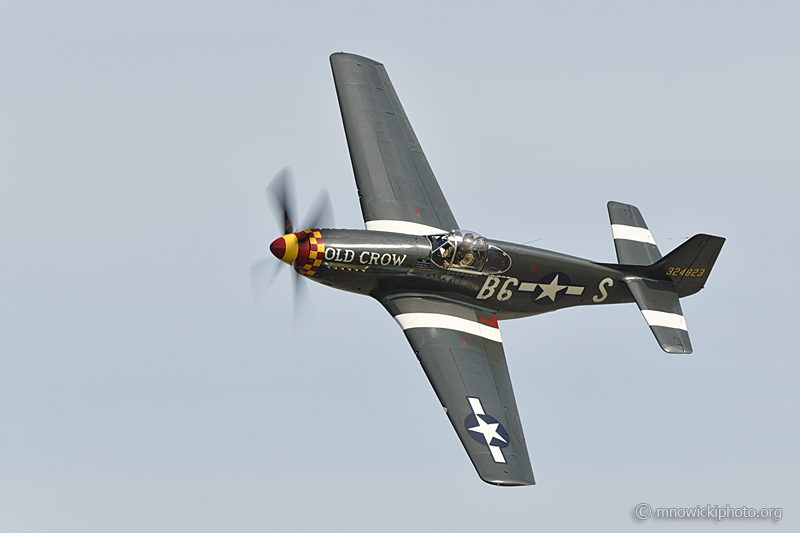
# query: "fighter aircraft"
[[448, 287]]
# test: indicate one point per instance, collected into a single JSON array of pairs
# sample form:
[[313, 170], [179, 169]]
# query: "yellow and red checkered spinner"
[[305, 249]]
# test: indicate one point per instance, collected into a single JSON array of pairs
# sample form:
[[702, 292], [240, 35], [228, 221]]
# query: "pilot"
[[447, 254], [467, 254]]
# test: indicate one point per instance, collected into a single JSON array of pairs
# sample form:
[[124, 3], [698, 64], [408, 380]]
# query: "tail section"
[[657, 283], [689, 265]]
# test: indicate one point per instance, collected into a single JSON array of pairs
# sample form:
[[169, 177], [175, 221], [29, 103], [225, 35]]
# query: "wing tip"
[[676, 349], [508, 482], [351, 57]]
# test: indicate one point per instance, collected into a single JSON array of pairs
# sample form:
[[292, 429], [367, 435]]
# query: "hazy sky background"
[[142, 390]]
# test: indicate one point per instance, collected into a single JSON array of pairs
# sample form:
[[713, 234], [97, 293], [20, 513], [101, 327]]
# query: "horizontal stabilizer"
[[634, 242], [658, 301]]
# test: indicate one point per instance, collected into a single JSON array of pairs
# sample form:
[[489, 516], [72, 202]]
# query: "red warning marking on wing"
[[492, 322]]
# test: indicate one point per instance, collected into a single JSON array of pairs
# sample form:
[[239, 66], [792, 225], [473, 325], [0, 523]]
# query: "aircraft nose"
[[285, 248]]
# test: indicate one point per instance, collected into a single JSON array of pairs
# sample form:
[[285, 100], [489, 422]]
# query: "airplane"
[[448, 288]]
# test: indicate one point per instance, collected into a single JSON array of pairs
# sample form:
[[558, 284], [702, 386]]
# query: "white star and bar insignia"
[[551, 288], [488, 430]]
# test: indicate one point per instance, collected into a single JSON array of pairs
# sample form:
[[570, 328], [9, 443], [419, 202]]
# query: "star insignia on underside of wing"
[[489, 431]]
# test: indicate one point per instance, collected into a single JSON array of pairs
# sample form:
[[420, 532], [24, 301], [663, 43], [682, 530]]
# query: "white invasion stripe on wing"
[[665, 320], [401, 226], [497, 454], [434, 320], [475, 403], [632, 233]]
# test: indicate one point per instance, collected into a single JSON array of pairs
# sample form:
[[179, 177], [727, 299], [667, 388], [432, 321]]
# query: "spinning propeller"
[[280, 193]]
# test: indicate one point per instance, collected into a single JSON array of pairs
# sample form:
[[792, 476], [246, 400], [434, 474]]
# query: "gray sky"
[[142, 390]]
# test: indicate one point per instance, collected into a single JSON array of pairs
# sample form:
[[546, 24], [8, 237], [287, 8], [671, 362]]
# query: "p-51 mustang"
[[447, 288]]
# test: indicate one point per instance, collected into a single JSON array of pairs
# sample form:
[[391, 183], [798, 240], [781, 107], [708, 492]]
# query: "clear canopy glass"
[[460, 250]]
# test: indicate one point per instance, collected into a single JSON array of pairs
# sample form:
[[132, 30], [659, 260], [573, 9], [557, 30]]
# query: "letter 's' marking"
[[603, 293]]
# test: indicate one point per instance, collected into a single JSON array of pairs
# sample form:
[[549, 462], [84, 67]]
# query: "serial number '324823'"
[[688, 272]]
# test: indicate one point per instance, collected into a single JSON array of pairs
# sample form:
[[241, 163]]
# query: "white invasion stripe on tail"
[[434, 320], [632, 233], [401, 226], [665, 320]]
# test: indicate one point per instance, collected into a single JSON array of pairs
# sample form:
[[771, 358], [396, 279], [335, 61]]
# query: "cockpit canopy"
[[468, 251]]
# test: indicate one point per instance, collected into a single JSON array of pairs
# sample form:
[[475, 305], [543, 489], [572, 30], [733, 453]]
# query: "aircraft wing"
[[396, 186], [461, 352]]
